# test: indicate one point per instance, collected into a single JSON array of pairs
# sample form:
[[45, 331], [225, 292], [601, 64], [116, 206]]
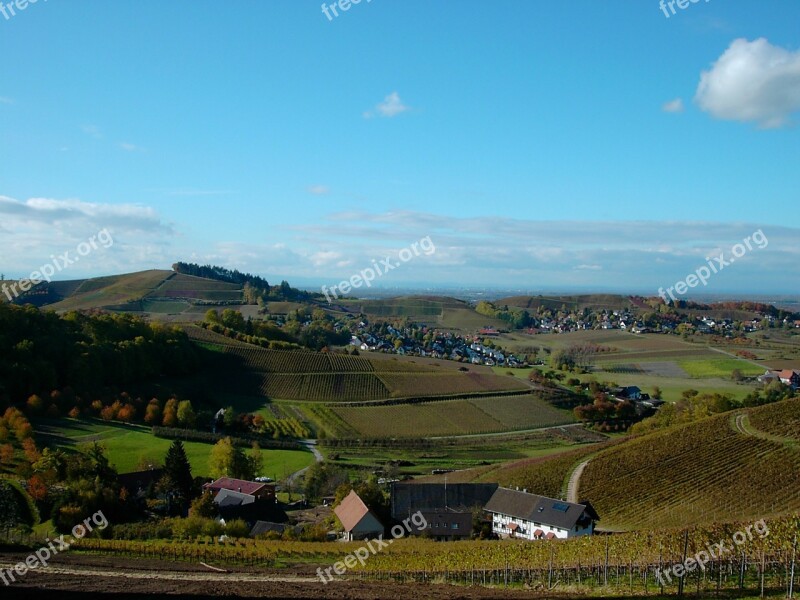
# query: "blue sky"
[[541, 145]]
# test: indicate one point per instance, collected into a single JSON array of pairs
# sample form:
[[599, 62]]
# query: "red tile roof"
[[235, 485], [351, 510]]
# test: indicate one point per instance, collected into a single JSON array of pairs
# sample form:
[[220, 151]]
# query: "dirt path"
[[312, 446], [171, 575], [123, 579], [574, 482], [741, 424]]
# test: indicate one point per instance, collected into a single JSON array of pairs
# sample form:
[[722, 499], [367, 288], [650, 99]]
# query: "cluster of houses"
[[434, 344], [449, 512], [790, 377]]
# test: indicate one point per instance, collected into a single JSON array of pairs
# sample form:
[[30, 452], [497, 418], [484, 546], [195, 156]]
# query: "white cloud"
[[92, 131], [752, 82], [325, 258], [318, 190], [391, 106], [40, 227], [128, 147], [673, 106]]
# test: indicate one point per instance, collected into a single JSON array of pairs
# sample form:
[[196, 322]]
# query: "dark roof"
[[226, 498], [539, 509], [262, 527], [408, 498], [139, 480]]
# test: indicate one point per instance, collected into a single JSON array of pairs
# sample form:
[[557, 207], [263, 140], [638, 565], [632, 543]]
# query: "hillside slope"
[[703, 472]]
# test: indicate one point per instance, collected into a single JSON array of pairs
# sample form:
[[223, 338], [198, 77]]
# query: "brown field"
[[416, 384]]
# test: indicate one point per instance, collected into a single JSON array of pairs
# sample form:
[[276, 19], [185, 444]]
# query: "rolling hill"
[[154, 291], [337, 378], [730, 467]]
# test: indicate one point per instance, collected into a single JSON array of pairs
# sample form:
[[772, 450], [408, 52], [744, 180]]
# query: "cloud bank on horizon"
[[486, 251]]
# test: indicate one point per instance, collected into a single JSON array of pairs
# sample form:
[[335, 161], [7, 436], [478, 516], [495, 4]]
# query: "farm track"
[[573, 487]]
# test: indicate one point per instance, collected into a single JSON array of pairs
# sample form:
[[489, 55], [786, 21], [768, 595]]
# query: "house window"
[[454, 526]]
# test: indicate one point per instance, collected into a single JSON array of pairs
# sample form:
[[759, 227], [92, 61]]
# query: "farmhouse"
[[260, 490], [527, 516], [447, 508], [358, 521], [790, 377], [630, 392]]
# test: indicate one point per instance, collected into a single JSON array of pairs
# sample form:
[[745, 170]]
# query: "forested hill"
[[42, 351]]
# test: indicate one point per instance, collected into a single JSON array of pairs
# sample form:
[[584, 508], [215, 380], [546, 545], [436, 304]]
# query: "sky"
[[581, 145]]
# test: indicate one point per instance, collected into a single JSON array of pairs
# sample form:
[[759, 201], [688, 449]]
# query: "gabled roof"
[[351, 511], [226, 498], [408, 498], [538, 509], [236, 485]]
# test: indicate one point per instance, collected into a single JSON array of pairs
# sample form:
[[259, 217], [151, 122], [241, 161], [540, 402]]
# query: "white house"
[[527, 516], [358, 521]]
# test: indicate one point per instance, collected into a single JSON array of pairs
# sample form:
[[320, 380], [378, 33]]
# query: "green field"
[[719, 367], [129, 445]]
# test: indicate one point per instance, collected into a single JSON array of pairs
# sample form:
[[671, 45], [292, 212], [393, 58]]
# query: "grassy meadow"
[[128, 446]]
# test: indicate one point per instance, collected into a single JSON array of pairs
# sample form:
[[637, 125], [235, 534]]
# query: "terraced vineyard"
[[453, 417], [699, 473], [546, 476], [329, 377], [324, 387], [456, 417], [781, 419], [523, 412], [415, 384]]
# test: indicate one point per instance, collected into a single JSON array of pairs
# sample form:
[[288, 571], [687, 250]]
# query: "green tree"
[[186, 415], [203, 506], [179, 472]]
